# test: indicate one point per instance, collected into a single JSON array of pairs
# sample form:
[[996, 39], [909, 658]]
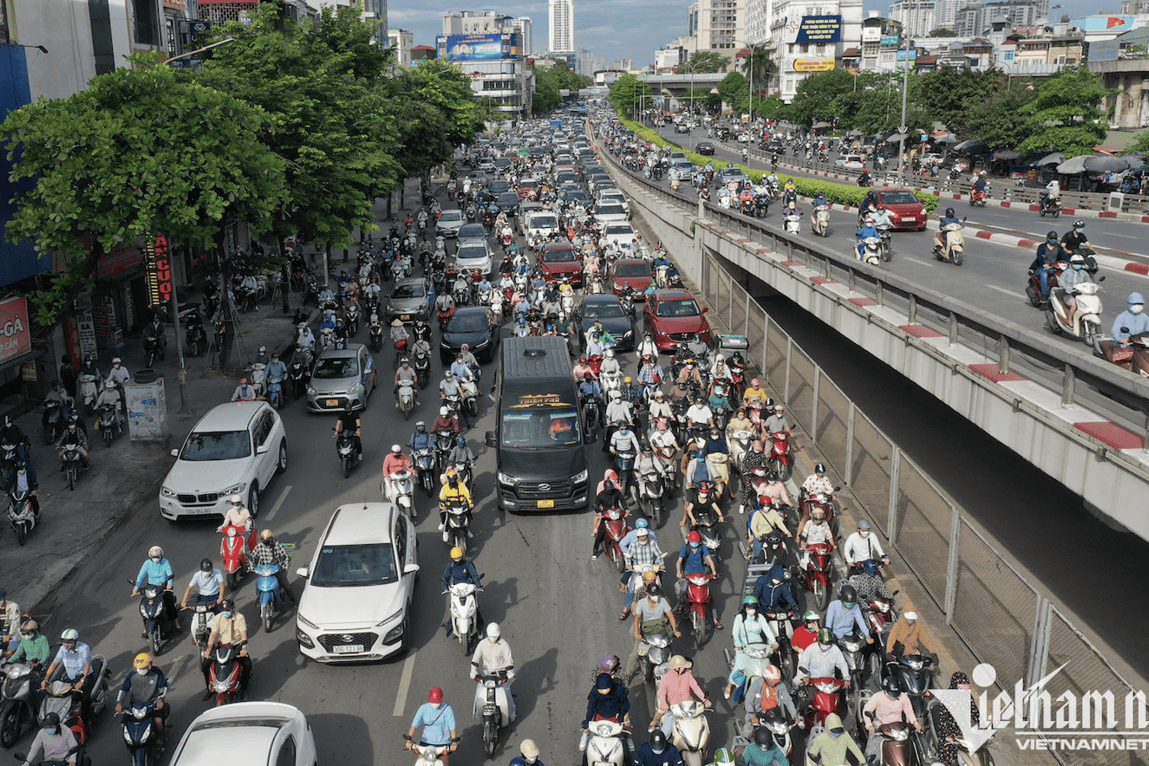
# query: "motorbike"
[[691, 731], [375, 333], [820, 220], [20, 700], [195, 337], [271, 598], [10, 460], [422, 365], [258, 379], [817, 574], [159, 626], [590, 411], [202, 616], [345, 450], [457, 526], [978, 198], [781, 459], [761, 205], [884, 232], [155, 347], [654, 656], [64, 700], [88, 392], [407, 398], [351, 319], [624, 465], [106, 422], [20, 514], [464, 610], [399, 488], [827, 699], [808, 502], [1033, 285], [428, 754], [71, 456], [1085, 322], [444, 443], [651, 495], [57, 418], [424, 460], [275, 392], [224, 675], [1052, 207], [871, 253], [698, 605], [234, 549], [881, 614], [954, 249], [739, 446], [792, 223], [616, 529], [853, 647], [144, 742], [606, 744], [492, 702], [915, 672], [297, 373]]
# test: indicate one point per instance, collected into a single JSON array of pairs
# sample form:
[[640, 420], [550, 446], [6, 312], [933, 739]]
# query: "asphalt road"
[[993, 276]]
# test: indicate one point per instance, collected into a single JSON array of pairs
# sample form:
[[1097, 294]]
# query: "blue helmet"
[[641, 524], [1134, 299], [871, 567]]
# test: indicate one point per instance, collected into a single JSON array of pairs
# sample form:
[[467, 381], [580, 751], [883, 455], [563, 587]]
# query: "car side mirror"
[[705, 309], [175, 453], [303, 572], [261, 449], [490, 439], [410, 569]]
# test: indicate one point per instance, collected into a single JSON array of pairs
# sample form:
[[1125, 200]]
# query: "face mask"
[[694, 545], [225, 614], [436, 705], [1076, 267], [532, 759], [835, 733], [864, 532], [142, 671], [1136, 308]]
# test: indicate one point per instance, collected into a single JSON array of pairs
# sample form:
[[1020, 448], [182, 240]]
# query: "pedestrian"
[[68, 375]]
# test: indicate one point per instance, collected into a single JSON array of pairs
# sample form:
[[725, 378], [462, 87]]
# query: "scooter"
[[793, 223], [203, 614], [271, 597], [492, 702], [1085, 322], [954, 249], [616, 529], [808, 502], [457, 526], [399, 488], [424, 460], [144, 742], [653, 656], [651, 494], [71, 456], [106, 422], [224, 675], [297, 374], [464, 611], [820, 220], [349, 457], [57, 418], [817, 574], [422, 365], [871, 253], [234, 549], [88, 392], [64, 700], [606, 744], [901, 745], [195, 336], [691, 731], [20, 701], [1052, 207], [428, 754], [1033, 284], [707, 528], [698, 604], [915, 672], [827, 699], [351, 318], [978, 198], [407, 398], [781, 461], [375, 333], [20, 515]]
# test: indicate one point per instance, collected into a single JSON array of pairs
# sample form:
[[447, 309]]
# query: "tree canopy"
[[626, 92], [704, 62], [550, 80], [1065, 114]]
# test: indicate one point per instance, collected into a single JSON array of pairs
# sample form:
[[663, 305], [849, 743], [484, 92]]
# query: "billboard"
[[1115, 24], [1104, 50], [813, 65], [819, 29], [15, 334], [913, 54], [490, 47], [890, 39], [871, 34]]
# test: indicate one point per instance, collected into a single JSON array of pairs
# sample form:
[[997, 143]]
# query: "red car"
[[559, 259], [632, 271], [673, 316], [906, 210]]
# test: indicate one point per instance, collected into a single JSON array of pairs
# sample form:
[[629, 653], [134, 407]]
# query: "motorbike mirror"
[[410, 569], [303, 572], [490, 439], [895, 593], [837, 489], [175, 453], [1125, 330], [1101, 279]]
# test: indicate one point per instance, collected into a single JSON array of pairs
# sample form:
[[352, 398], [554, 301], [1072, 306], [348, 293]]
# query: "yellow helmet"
[[143, 660], [456, 553], [626, 379]]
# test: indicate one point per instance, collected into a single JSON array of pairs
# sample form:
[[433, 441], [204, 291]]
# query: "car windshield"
[[343, 565], [473, 231], [544, 222], [679, 308], [632, 270], [685, 165], [216, 445], [611, 208], [559, 255], [508, 198], [471, 253], [467, 323], [898, 198], [603, 310], [529, 429], [621, 228], [450, 215], [413, 290], [334, 367], [528, 183]]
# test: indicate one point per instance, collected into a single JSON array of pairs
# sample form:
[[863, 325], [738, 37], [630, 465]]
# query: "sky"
[[616, 29]]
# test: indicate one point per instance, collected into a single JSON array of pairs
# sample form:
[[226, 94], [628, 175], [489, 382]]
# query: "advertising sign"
[[889, 40], [819, 29], [1114, 24], [1104, 50], [871, 34], [15, 334], [813, 65], [913, 54], [158, 272], [490, 47]]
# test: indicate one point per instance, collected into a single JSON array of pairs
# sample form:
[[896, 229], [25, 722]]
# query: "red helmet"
[[436, 695], [754, 382], [694, 537]]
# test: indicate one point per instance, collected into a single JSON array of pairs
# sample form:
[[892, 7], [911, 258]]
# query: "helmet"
[[754, 383], [869, 221], [657, 740], [703, 488], [772, 674], [461, 441], [448, 374], [30, 626], [810, 616], [763, 737], [456, 553], [71, 634], [116, 360], [653, 590], [108, 384], [51, 721], [493, 630], [1079, 224], [1051, 236], [235, 500], [892, 685], [466, 348], [825, 636], [694, 537], [870, 567], [1077, 258], [641, 523], [818, 514], [142, 660], [205, 565], [443, 411], [749, 600], [396, 449], [155, 551], [227, 605], [848, 594], [529, 749], [950, 212], [820, 469], [436, 695], [723, 756], [420, 426], [266, 534]]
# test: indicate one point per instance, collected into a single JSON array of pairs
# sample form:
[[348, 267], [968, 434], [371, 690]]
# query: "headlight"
[[393, 634], [304, 639], [310, 391], [306, 622], [505, 479], [579, 477], [165, 492], [127, 735], [235, 490], [389, 618]]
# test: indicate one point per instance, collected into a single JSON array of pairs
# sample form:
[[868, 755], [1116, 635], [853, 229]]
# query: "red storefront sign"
[[15, 333]]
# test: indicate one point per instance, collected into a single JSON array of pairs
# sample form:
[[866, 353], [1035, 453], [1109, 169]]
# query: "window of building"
[[145, 25]]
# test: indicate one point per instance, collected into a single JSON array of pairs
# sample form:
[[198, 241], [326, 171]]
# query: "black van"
[[539, 431]]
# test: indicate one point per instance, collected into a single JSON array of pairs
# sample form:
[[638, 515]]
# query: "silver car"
[[341, 376], [408, 301], [474, 255], [450, 221]]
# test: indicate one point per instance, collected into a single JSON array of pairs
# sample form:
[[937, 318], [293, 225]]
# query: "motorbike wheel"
[[72, 478], [887, 254], [821, 595], [266, 614], [155, 639], [1051, 323], [108, 437], [21, 534], [958, 256], [1089, 334], [875, 670], [619, 561], [1056, 212], [11, 721], [1041, 212], [786, 663], [490, 736], [149, 358], [346, 466], [703, 629]]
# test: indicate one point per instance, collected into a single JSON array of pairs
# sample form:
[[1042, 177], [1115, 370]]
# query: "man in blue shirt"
[[76, 658], [773, 592], [462, 571], [420, 439], [844, 615], [864, 233], [439, 728], [1048, 254], [658, 752], [694, 558], [157, 570], [1131, 321]]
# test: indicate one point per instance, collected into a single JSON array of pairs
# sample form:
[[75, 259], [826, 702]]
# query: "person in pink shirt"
[[678, 685], [889, 706]]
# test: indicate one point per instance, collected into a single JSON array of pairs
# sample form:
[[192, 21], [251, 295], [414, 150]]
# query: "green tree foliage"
[[734, 90], [814, 97], [434, 110], [1065, 115], [949, 96], [943, 32], [998, 120], [136, 154], [627, 92], [704, 62], [549, 81], [876, 103]]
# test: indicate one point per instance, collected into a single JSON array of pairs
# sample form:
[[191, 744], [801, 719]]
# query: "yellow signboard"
[[813, 65]]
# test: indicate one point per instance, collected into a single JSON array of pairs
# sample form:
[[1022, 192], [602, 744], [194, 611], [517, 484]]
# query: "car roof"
[[360, 524], [342, 353], [248, 710], [408, 281], [467, 310], [226, 417], [600, 298], [621, 261]]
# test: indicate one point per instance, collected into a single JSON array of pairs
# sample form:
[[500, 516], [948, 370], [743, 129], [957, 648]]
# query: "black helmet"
[[772, 476], [657, 741], [848, 595], [892, 685], [763, 737], [1051, 236], [227, 605], [205, 565], [1079, 224], [950, 212], [51, 721], [820, 469]]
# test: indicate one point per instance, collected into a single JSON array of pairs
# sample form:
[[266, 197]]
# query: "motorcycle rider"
[[814, 531], [406, 375], [1052, 192], [1070, 279], [460, 570], [806, 635], [243, 392], [844, 615], [822, 660], [869, 583], [773, 592], [157, 570], [886, 707], [269, 551], [817, 483], [493, 654], [979, 184], [861, 546], [1075, 239], [647, 347], [445, 422], [461, 456], [54, 744], [119, 375], [1048, 254], [12, 434], [908, 637], [439, 727], [658, 751], [396, 461], [881, 217], [694, 558], [750, 627], [148, 686], [55, 396], [700, 498], [454, 491], [23, 479], [73, 438], [607, 701], [942, 236], [833, 745], [209, 583], [623, 439], [33, 649], [450, 387], [237, 515], [349, 420], [1131, 321], [755, 395], [678, 685], [866, 231], [642, 551], [228, 629]]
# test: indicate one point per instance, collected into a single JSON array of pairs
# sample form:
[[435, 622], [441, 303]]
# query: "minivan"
[[538, 436]]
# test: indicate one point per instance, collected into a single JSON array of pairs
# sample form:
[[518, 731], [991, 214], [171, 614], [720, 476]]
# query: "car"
[[578, 196], [705, 147], [498, 186], [608, 310], [408, 300], [508, 202], [449, 223], [487, 165], [633, 271], [529, 188], [559, 259], [906, 210], [618, 234], [743, 137], [474, 326], [234, 449], [609, 212], [615, 195], [677, 156], [671, 316], [686, 170], [358, 588], [477, 178], [731, 173], [681, 127], [341, 376], [269, 733], [473, 256], [851, 162], [537, 225], [776, 146], [472, 231]]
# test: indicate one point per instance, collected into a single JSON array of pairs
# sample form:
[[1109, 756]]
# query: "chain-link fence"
[[991, 605]]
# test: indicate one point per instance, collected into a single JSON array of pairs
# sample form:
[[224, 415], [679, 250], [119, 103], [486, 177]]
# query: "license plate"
[[348, 649], [198, 511], [332, 402], [546, 504], [405, 317]]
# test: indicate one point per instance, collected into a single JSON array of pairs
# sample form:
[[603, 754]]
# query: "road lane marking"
[[1011, 293], [278, 502], [404, 684]]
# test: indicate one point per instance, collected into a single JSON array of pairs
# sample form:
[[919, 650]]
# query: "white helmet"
[[235, 500], [155, 551], [395, 448], [493, 630], [71, 634]]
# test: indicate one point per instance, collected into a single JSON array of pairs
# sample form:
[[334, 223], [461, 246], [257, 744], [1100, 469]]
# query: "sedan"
[[356, 602], [609, 212], [619, 235], [472, 231], [234, 449], [449, 223], [673, 316], [686, 170], [508, 202], [731, 173], [609, 311], [342, 376], [473, 256], [705, 147], [408, 301], [631, 271], [475, 327], [906, 210], [248, 732]]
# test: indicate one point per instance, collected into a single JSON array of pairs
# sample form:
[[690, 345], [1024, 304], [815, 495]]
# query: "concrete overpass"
[[673, 88]]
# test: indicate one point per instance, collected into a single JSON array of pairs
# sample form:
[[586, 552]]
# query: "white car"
[[619, 235], [473, 255], [614, 195], [609, 212], [539, 225], [449, 223], [248, 732], [356, 602], [851, 162], [235, 449]]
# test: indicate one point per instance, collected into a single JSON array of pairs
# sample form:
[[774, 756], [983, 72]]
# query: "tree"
[[137, 154], [814, 96], [734, 90], [758, 64], [435, 112], [549, 81], [704, 62], [943, 32], [627, 93], [876, 104], [949, 96], [1065, 115], [999, 121]]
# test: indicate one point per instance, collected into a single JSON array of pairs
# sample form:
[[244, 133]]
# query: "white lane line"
[[1012, 293], [915, 260], [1123, 236], [404, 684], [278, 502]]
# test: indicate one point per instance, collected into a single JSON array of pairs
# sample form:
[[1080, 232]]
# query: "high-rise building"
[[721, 25], [586, 63], [757, 21], [562, 26], [915, 16], [488, 47], [489, 22], [799, 50], [402, 41], [692, 20], [945, 12]]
